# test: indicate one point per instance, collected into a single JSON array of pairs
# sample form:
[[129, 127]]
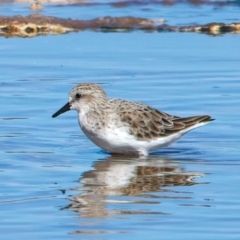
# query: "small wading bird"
[[124, 127]]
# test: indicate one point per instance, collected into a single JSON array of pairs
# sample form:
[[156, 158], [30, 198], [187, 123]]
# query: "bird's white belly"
[[113, 140], [118, 140]]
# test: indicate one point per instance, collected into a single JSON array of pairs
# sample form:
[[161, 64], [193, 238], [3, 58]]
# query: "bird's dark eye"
[[78, 96]]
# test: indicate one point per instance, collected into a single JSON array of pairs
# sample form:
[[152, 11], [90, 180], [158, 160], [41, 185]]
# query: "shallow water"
[[55, 184]]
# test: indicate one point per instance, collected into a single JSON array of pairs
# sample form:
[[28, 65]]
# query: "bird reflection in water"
[[127, 176]]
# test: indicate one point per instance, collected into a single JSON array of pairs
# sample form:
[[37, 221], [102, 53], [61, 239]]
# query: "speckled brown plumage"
[[148, 123]]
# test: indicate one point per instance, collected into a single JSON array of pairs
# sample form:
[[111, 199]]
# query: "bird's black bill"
[[64, 109]]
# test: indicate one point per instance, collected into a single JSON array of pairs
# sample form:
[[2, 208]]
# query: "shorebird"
[[124, 127]]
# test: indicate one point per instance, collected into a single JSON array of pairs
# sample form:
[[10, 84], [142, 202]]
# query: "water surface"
[[55, 184]]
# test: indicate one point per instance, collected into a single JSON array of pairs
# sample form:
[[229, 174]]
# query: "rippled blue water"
[[55, 184]]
